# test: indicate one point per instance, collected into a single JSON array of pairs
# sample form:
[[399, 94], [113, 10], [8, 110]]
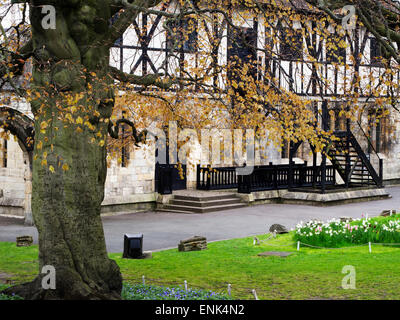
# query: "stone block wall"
[[12, 182], [137, 178], [12, 177]]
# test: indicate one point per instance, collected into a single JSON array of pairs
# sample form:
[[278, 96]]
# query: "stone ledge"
[[163, 198], [128, 204], [335, 196], [311, 198], [134, 198], [9, 202]]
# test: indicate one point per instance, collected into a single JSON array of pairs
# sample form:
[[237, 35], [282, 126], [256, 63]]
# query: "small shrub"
[[149, 292], [335, 233]]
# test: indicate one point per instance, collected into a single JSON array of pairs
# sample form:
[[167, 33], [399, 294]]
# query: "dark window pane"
[[375, 52], [112, 21], [242, 52], [334, 52], [291, 44], [182, 35]]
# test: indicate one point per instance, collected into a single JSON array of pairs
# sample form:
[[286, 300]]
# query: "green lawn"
[[307, 274]]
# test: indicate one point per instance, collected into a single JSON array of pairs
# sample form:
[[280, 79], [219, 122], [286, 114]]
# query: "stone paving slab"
[[165, 230]]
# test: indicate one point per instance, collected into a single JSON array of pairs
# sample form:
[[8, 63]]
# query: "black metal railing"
[[169, 177], [269, 177], [216, 178], [376, 175], [274, 177]]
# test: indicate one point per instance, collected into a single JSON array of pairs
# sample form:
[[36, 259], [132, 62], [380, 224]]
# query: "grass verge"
[[306, 274]]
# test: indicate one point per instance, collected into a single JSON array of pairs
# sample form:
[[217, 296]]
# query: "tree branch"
[[113, 130], [131, 10], [146, 81], [19, 125]]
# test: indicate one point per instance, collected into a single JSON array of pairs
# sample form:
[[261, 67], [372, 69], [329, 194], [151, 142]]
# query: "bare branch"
[[146, 80], [19, 125], [113, 130]]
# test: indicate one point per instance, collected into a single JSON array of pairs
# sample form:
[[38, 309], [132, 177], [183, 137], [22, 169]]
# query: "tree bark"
[[72, 104]]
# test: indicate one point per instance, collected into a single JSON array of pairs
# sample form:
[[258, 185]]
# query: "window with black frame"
[[285, 151], [182, 35], [378, 130], [113, 19], [242, 44], [337, 117], [335, 49], [291, 44], [3, 154], [375, 52]]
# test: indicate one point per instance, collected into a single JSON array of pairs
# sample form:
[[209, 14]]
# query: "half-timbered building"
[[365, 154]]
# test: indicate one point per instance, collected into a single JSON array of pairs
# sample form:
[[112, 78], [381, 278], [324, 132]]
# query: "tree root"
[[69, 286]]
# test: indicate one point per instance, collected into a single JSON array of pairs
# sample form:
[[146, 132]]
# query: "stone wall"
[[133, 183], [12, 177], [12, 181], [131, 188]]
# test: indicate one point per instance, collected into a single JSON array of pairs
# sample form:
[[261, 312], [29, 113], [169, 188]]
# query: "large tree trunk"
[[66, 210], [73, 101]]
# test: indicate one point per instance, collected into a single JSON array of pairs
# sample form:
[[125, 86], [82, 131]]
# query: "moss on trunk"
[[73, 100]]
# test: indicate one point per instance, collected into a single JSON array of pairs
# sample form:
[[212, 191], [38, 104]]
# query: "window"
[[285, 153], [337, 118], [285, 149], [335, 50], [291, 44], [375, 52], [242, 51], [182, 35], [113, 19], [3, 154], [125, 156], [379, 131]]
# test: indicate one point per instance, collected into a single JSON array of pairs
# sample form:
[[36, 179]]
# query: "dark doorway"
[[169, 177]]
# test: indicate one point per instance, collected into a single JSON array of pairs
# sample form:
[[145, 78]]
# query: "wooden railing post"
[[208, 177], [314, 177], [198, 176], [302, 174], [290, 177]]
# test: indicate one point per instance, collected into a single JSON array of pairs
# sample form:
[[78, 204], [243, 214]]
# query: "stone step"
[[189, 209], [202, 198], [213, 203], [174, 211]]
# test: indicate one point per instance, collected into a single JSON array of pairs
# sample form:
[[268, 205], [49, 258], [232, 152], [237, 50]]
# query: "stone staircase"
[[202, 203]]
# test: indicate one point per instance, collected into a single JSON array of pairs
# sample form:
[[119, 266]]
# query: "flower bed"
[[149, 292], [5, 297], [336, 233]]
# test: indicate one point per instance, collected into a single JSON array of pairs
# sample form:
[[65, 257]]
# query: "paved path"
[[164, 230]]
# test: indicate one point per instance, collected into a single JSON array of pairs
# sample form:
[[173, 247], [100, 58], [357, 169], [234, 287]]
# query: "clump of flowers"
[[150, 292], [7, 297], [336, 233]]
